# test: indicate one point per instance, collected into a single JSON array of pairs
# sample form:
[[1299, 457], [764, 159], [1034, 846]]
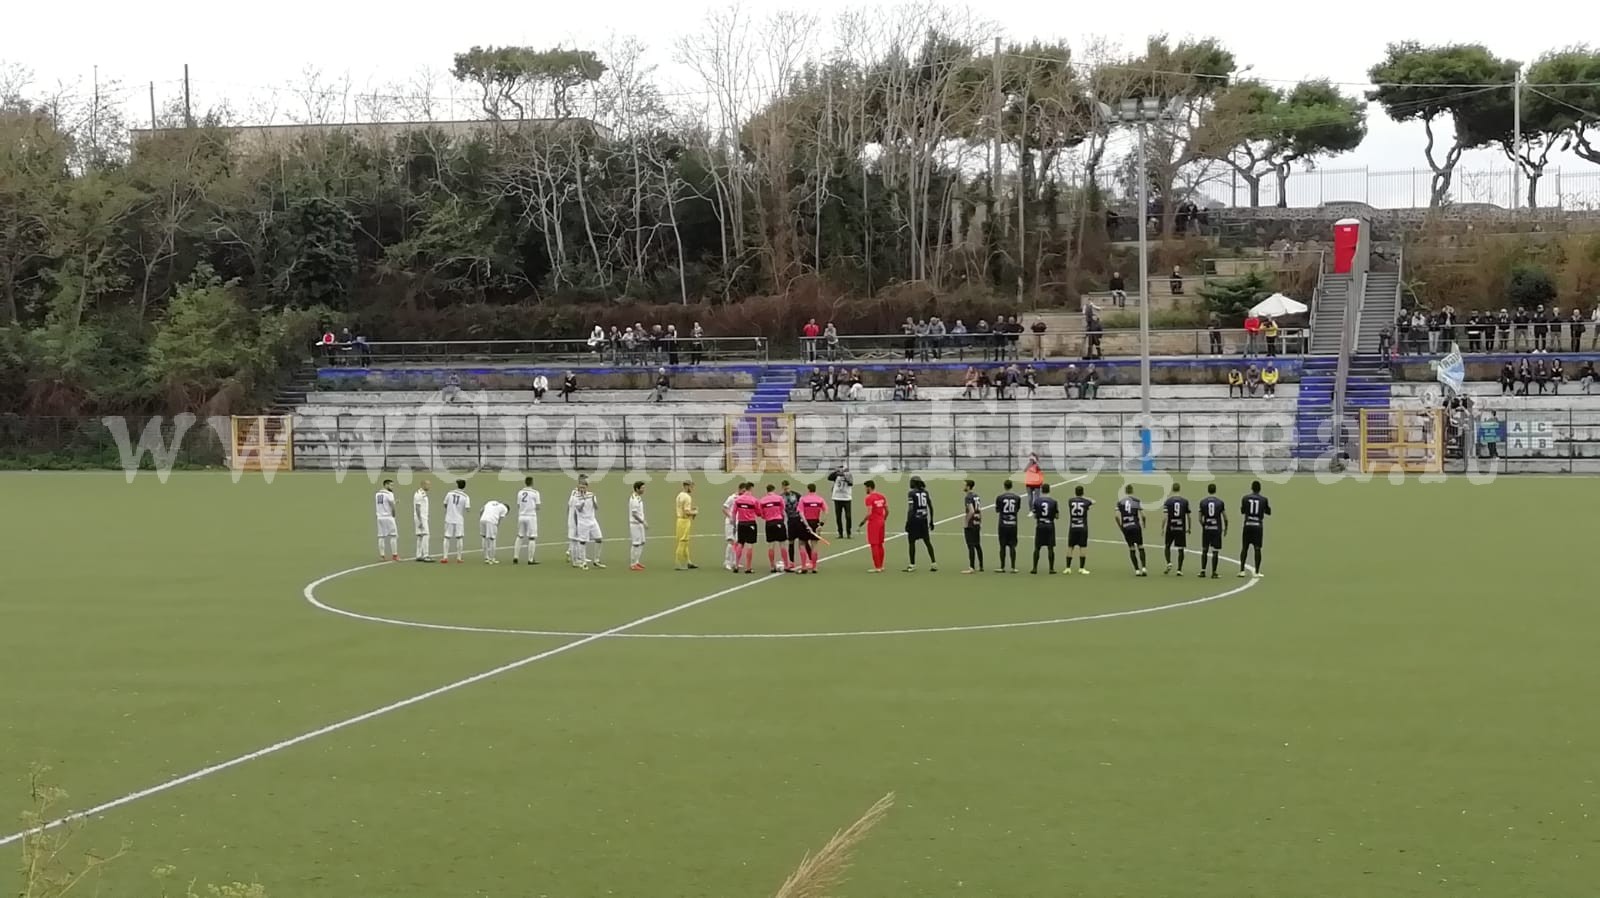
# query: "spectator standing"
[[958, 338], [1252, 335], [1385, 340], [1474, 330], [1449, 322], [1214, 333], [1176, 281], [1594, 326], [809, 334], [1419, 331], [1554, 344], [1519, 329], [1435, 331], [908, 333], [697, 344], [1016, 339], [671, 339], [982, 333], [924, 338], [1490, 435], [936, 335], [1575, 329], [1038, 338], [1119, 290], [1269, 330], [629, 342], [597, 340], [1541, 328], [830, 340], [1502, 327]]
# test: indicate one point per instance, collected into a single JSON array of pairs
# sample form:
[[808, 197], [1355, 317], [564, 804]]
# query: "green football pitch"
[[1403, 706]]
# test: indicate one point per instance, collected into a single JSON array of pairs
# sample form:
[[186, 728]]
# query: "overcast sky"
[[241, 52]]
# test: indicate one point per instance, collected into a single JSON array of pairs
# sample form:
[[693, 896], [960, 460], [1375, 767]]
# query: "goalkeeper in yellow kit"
[[686, 515]]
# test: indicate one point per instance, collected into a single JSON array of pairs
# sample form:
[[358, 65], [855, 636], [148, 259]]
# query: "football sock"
[[1133, 556], [577, 552], [911, 544], [1142, 564], [592, 552], [929, 543], [1181, 553], [381, 543], [1050, 553], [635, 552]]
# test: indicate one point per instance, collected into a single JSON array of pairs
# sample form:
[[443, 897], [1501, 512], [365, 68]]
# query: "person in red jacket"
[[811, 332], [877, 525], [1252, 334]]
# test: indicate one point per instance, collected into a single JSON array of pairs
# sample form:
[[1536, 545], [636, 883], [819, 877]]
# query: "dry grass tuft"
[[820, 874]]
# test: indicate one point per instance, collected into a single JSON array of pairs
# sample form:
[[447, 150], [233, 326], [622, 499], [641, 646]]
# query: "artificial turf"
[[1400, 708]]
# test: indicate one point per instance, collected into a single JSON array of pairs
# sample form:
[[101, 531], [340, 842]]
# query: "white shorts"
[[636, 533], [729, 532], [454, 530], [489, 529], [420, 527], [527, 528], [386, 527], [584, 533]]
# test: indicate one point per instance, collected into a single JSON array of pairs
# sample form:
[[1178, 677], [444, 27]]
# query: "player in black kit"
[[1045, 511], [1255, 508], [919, 523], [1175, 532], [972, 517], [1130, 514], [1078, 530], [1007, 508], [1213, 524]]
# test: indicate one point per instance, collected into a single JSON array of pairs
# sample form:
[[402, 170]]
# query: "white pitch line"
[[310, 596], [276, 747]]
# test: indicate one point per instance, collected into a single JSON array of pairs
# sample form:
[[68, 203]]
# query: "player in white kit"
[[420, 513], [583, 526], [730, 533], [388, 533], [527, 521], [494, 511], [456, 506], [636, 527]]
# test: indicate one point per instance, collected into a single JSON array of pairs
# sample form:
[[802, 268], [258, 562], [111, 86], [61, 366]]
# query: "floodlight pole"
[[1144, 294]]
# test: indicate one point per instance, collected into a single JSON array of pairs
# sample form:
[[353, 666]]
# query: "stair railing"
[[1348, 336]]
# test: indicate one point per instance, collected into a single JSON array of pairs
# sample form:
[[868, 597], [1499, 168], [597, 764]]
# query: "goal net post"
[[759, 443], [1406, 440], [262, 443]]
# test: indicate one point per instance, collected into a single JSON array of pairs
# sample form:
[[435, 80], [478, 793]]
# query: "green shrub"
[[1530, 286]]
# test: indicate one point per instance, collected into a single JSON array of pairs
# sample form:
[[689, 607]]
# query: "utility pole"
[[1516, 141], [188, 111], [94, 112], [152, 107]]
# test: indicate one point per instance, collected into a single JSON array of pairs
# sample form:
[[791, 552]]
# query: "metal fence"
[[1122, 341], [559, 353], [1410, 189]]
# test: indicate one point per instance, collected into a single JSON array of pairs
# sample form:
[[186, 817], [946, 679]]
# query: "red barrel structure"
[[1346, 240]]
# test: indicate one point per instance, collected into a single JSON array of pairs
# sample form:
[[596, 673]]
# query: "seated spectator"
[[1235, 383], [1091, 383], [1558, 375], [1176, 281], [818, 383], [830, 384], [911, 383], [569, 385], [1030, 379], [857, 391], [1586, 376], [541, 385], [1541, 375], [900, 385], [969, 383], [1269, 380], [452, 388], [662, 385], [1524, 376], [1508, 379], [1073, 386], [1252, 380]]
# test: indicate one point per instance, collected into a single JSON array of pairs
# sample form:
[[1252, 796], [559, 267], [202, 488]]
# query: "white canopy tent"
[[1277, 306]]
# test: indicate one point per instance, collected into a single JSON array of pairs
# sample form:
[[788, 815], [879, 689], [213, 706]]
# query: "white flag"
[[1451, 370]]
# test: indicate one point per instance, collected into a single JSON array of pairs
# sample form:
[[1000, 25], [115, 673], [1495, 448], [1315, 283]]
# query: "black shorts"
[[797, 528], [1251, 535], [776, 532], [1178, 538], [808, 530], [1134, 536], [1078, 538], [1008, 536], [1045, 537], [1211, 539], [974, 534], [916, 529], [746, 532]]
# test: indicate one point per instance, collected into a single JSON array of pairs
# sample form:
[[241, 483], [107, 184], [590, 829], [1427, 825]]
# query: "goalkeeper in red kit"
[[877, 524]]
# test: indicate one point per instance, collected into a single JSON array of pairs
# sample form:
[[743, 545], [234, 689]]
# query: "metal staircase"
[[1380, 303], [1327, 318]]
